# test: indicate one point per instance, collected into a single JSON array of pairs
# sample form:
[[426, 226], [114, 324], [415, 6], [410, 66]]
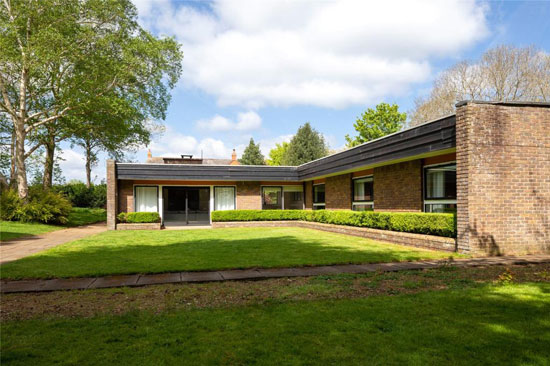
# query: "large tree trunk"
[[13, 170], [88, 149], [21, 173], [47, 178]]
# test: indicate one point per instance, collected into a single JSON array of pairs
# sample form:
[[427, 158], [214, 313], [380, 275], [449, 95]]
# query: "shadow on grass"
[[490, 325], [169, 254]]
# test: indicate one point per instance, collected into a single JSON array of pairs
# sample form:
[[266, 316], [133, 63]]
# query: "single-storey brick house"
[[489, 162]]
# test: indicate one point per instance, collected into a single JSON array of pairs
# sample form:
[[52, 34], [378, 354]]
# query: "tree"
[[252, 155], [305, 146], [504, 73], [277, 154], [375, 123], [64, 60]]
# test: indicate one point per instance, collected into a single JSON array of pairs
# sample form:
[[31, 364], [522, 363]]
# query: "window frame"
[[362, 202], [234, 197], [317, 204], [435, 201], [146, 186], [263, 200]]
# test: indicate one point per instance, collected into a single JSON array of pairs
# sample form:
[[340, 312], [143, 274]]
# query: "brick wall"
[[308, 195], [338, 192], [398, 187], [503, 178], [249, 196], [126, 196], [111, 195]]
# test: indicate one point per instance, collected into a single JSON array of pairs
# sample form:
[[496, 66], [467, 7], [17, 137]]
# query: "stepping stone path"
[[252, 274]]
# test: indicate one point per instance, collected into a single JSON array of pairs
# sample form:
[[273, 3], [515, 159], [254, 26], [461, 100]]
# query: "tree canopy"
[[252, 155], [305, 146], [71, 61], [503, 73], [277, 154], [378, 122]]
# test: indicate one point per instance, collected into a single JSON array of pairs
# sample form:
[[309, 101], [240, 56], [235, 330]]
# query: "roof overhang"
[[430, 139]]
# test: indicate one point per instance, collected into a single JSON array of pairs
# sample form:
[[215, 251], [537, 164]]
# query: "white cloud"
[[245, 122], [325, 53], [72, 165], [175, 144]]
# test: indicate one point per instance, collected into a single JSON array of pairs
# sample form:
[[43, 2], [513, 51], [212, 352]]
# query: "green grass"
[[14, 229], [85, 216], [78, 216], [123, 252], [486, 325]]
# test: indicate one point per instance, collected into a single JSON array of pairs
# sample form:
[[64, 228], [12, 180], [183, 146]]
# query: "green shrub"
[[420, 223], [138, 217], [9, 202], [81, 196], [42, 206]]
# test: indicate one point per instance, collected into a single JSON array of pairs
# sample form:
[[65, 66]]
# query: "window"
[[293, 197], [146, 199], [319, 197], [363, 197], [224, 198], [440, 188], [272, 198]]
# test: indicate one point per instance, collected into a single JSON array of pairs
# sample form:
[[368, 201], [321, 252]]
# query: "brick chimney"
[[234, 160], [149, 154]]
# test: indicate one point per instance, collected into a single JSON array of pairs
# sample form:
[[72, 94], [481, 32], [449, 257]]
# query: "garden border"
[[416, 240], [139, 226]]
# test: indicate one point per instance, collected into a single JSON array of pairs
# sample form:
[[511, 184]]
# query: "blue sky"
[[262, 68]]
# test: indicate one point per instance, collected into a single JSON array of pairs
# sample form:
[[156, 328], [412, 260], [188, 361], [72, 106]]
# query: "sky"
[[261, 69]]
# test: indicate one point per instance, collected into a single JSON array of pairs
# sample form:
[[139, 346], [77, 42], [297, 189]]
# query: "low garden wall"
[[416, 240], [426, 230], [139, 226]]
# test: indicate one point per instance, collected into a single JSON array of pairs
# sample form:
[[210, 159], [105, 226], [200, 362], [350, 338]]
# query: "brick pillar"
[[338, 192], [503, 178], [308, 195], [112, 199]]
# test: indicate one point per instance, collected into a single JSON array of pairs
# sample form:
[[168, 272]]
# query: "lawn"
[[125, 252], [489, 324], [78, 216]]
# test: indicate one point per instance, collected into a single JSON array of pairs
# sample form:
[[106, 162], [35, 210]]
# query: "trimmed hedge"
[[138, 217], [440, 224]]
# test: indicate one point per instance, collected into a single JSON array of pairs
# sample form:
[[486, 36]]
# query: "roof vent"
[[187, 156]]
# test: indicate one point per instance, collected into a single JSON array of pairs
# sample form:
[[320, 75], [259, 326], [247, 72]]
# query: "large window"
[[440, 188], [363, 198], [319, 197], [293, 197], [287, 197], [272, 198], [224, 198], [146, 199]]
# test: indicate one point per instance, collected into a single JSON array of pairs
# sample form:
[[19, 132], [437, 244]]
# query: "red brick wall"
[[125, 196], [112, 194], [503, 179], [338, 192], [398, 187], [249, 196], [308, 195]]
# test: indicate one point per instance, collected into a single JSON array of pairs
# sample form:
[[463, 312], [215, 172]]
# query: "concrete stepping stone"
[[155, 279], [115, 281]]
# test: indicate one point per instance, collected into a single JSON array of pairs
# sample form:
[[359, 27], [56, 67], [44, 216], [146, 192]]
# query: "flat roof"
[[425, 139]]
